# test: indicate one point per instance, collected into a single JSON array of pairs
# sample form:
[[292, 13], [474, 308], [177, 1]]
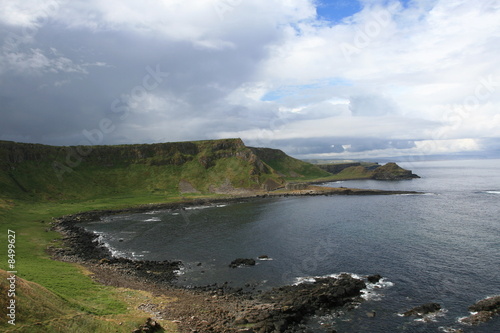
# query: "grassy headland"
[[39, 182]]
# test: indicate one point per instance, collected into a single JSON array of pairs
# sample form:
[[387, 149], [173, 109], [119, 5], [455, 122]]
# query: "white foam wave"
[[311, 279], [419, 194], [153, 219], [370, 293], [431, 317], [492, 192], [102, 242], [197, 207]]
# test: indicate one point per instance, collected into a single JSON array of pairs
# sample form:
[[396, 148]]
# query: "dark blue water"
[[441, 247]]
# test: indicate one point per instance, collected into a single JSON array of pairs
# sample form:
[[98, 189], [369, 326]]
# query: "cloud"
[[388, 78]]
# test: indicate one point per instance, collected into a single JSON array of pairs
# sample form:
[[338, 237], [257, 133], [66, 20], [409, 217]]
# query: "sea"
[[442, 245]]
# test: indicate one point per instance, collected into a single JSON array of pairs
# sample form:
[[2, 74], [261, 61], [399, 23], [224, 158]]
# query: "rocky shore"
[[221, 308], [211, 308]]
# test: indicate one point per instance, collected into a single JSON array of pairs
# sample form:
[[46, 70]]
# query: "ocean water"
[[440, 246]]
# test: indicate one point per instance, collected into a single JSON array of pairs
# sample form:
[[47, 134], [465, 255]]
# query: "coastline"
[[225, 305]]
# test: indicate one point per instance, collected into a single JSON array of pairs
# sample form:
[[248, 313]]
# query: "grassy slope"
[[291, 168], [109, 178], [82, 304], [27, 173]]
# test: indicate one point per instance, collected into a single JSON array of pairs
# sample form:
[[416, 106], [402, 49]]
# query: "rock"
[[371, 314], [150, 326], [374, 278], [423, 310], [485, 310], [287, 306], [477, 318], [263, 257], [491, 304], [242, 262]]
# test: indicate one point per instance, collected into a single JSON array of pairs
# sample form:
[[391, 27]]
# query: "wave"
[[312, 279], [491, 192], [414, 194], [197, 207], [153, 219], [370, 293]]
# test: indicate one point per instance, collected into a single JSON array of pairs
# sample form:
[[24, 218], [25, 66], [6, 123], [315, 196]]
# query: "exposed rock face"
[[392, 171]]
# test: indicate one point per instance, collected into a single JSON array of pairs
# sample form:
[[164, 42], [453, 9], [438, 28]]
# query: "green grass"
[[68, 298], [60, 297], [291, 168]]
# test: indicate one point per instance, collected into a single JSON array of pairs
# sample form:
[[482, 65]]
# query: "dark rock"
[[263, 257], [242, 262], [287, 306], [150, 326], [423, 310], [374, 278], [486, 309], [488, 304]]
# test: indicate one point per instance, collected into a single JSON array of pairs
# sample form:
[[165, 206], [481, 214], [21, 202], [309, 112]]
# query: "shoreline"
[[225, 304]]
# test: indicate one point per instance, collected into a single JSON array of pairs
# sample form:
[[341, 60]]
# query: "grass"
[[69, 301], [61, 297]]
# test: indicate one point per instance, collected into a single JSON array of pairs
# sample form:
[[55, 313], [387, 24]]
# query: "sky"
[[328, 79]]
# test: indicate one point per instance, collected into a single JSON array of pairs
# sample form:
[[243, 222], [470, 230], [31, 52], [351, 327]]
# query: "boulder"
[[374, 278], [423, 309], [242, 262]]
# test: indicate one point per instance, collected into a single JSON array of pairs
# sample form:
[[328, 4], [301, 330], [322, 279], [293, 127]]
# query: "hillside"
[[53, 173], [367, 170], [39, 182], [290, 168], [67, 173]]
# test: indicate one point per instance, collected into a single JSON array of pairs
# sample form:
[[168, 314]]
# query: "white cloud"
[[265, 70]]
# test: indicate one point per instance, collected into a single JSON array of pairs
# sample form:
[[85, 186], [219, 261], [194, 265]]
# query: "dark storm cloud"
[[269, 71]]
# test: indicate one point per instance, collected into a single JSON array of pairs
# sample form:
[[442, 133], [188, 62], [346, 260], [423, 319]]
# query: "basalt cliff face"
[[41, 172], [79, 172]]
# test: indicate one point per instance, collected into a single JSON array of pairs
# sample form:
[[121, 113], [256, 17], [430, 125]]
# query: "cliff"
[[82, 172], [358, 170], [290, 168]]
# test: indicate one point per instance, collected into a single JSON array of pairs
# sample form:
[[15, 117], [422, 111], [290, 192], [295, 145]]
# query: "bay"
[[441, 246]]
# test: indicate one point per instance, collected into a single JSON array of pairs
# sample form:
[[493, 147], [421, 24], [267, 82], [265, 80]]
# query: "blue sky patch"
[[285, 91]]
